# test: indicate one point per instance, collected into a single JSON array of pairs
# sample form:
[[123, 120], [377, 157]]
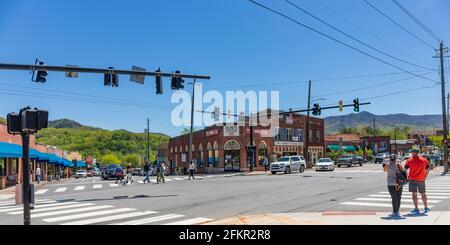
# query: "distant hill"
[[64, 123], [335, 123]]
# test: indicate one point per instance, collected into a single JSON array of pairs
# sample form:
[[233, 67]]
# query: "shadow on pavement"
[[117, 198], [393, 218]]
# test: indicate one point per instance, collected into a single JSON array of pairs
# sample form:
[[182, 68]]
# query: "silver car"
[[288, 164], [325, 164]]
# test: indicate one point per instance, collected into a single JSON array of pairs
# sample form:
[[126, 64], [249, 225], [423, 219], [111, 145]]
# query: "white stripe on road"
[[70, 211], [434, 193], [409, 196], [168, 180], [151, 220], [85, 215], [38, 210], [79, 188], [153, 181], [177, 178], [39, 192], [36, 206], [108, 218], [62, 189], [190, 221], [369, 204], [113, 185], [389, 200], [97, 186], [10, 203], [140, 181]]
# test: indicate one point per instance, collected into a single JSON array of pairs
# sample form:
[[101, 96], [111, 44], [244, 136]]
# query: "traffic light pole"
[[26, 178], [191, 135], [442, 50], [306, 151]]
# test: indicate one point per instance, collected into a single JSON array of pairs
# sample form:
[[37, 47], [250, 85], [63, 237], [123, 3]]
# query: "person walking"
[[158, 172], [266, 163], [162, 172], [394, 187], [38, 174], [418, 169], [192, 168], [129, 175], [118, 173], [147, 172]]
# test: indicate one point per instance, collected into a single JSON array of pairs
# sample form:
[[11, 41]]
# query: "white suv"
[[288, 164]]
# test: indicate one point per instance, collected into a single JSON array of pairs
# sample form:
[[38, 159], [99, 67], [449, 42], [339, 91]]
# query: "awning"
[[40, 155], [8, 150], [53, 159], [81, 164], [348, 148]]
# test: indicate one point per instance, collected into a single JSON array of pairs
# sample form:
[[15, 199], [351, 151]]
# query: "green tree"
[[110, 159], [438, 141], [132, 159], [334, 155]]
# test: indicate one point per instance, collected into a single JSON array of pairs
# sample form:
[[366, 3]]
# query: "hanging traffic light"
[[41, 76], [159, 85], [216, 114], [341, 106], [317, 111], [107, 79], [177, 82], [356, 105], [111, 79]]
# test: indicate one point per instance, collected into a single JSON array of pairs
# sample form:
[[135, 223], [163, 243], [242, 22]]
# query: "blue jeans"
[[147, 177], [38, 178]]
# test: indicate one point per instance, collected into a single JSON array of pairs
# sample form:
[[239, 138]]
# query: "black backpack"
[[402, 177]]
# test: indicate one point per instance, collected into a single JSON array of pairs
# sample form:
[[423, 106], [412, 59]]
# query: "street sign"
[[72, 74], [137, 78]]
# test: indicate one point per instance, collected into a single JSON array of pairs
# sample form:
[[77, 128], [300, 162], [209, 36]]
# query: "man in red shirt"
[[418, 170]]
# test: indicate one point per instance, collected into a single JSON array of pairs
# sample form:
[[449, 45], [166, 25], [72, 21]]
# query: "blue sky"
[[234, 41]]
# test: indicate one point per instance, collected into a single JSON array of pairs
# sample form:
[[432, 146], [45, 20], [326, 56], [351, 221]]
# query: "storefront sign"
[[288, 143], [212, 132], [230, 131], [262, 132]]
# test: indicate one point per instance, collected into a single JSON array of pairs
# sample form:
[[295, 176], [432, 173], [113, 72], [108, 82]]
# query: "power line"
[[418, 22], [367, 31], [399, 92], [372, 86], [336, 40], [353, 38], [397, 24]]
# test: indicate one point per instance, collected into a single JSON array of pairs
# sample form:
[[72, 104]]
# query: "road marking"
[[108, 218], [9, 203], [153, 181], [38, 210], [151, 220], [80, 188], [409, 196], [389, 200], [168, 180], [435, 193], [97, 186], [140, 181], [62, 189], [177, 178], [70, 211], [85, 215], [113, 185], [190, 221], [39, 192], [36, 206], [378, 204]]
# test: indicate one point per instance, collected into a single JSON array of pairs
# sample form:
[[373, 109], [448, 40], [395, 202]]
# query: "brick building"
[[348, 142], [379, 144], [222, 148]]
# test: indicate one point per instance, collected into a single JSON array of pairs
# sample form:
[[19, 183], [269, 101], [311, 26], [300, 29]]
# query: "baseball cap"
[[414, 150]]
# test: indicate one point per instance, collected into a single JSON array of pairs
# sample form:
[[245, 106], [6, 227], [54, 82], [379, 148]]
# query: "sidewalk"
[[335, 218], [10, 191]]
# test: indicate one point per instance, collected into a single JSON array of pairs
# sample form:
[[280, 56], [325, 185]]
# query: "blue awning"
[[8, 150], [53, 159], [81, 164], [40, 156]]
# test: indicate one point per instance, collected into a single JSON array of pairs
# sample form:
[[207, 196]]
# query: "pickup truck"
[[349, 160]]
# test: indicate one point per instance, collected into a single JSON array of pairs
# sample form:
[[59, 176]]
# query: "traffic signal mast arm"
[[323, 108], [37, 67]]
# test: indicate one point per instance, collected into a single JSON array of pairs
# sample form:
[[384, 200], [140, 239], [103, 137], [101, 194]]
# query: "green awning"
[[347, 148]]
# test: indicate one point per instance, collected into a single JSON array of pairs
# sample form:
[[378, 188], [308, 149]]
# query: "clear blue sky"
[[234, 41]]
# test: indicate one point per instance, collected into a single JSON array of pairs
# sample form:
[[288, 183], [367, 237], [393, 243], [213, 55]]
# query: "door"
[[295, 163]]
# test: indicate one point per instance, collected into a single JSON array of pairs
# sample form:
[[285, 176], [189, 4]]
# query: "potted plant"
[[49, 175]]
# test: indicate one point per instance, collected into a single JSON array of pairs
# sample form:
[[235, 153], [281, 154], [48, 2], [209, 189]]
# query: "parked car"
[[381, 157], [288, 164], [348, 160], [96, 172], [325, 164], [90, 173], [81, 174], [108, 172], [137, 172]]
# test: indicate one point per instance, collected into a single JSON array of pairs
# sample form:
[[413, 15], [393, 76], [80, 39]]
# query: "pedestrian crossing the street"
[[437, 190], [87, 213]]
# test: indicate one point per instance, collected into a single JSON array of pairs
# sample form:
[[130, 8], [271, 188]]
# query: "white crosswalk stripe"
[[387, 205], [86, 215], [409, 196], [168, 180], [113, 185], [39, 192], [80, 188], [190, 221], [62, 189], [434, 193], [70, 211], [36, 206], [37, 210], [388, 200], [13, 203], [97, 186], [151, 220], [177, 178], [108, 218]]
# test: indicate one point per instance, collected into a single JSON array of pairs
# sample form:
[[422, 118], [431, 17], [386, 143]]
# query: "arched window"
[[231, 146], [210, 154], [186, 148], [171, 149], [262, 152], [181, 149], [176, 149], [202, 155], [193, 147], [216, 153]]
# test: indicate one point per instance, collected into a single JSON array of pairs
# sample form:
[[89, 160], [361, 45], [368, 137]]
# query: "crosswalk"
[[87, 213], [438, 190]]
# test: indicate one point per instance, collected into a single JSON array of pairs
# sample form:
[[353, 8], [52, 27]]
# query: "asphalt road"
[[92, 201]]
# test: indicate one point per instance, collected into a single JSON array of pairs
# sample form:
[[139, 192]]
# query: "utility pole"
[[191, 135], [448, 110], [374, 136], [306, 152], [148, 139], [252, 150], [395, 138], [442, 52]]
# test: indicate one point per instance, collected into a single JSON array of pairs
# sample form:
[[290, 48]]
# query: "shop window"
[[318, 136], [216, 154], [3, 167], [262, 152], [210, 154]]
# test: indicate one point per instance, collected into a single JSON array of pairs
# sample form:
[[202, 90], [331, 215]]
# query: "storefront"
[[232, 150]]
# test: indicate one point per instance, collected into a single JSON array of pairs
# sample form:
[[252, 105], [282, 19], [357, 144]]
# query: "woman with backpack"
[[395, 183]]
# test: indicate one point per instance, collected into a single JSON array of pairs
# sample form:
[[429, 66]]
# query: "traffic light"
[[41, 76], [177, 82], [107, 79], [356, 105], [111, 79], [317, 111], [159, 85]]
